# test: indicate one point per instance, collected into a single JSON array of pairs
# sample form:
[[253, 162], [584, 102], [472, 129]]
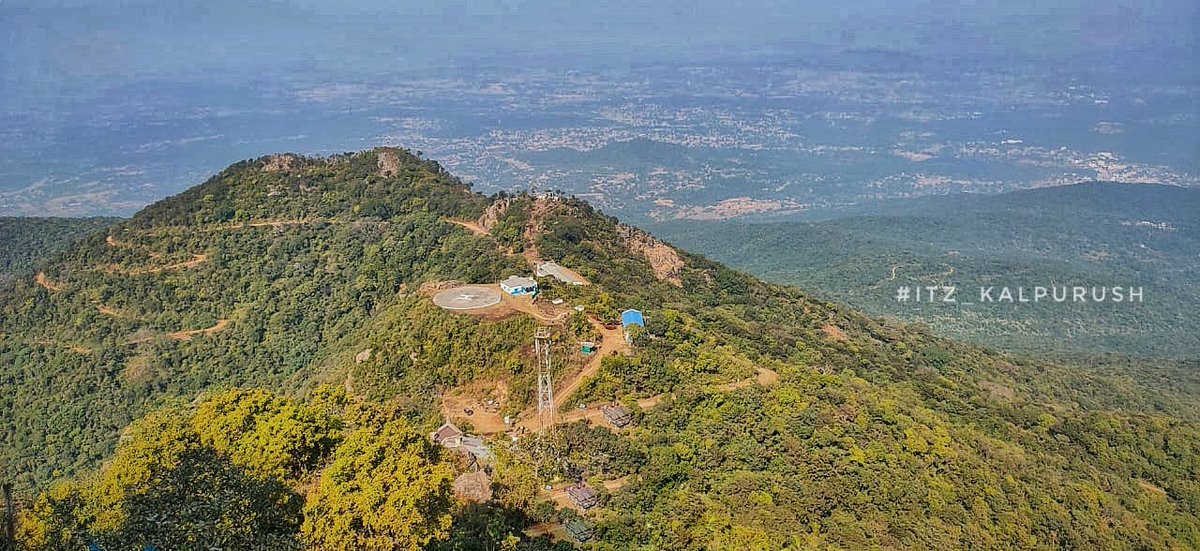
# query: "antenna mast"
[[541, 344]]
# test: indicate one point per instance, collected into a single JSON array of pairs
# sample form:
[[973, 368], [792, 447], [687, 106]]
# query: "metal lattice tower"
[[541, 344]]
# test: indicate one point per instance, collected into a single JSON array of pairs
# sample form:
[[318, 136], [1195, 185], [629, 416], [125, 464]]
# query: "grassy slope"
[[876, 434]]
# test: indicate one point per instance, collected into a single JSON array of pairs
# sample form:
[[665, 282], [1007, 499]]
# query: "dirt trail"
[[617, 483], [45, 282], [273, 223], [555, 530], [187, 335], [108, 310], [764, 377], [1150, 487], [474, 227], [612, 342], [647, 403], [834, 332]]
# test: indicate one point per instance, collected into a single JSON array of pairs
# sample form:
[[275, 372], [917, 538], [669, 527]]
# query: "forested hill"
[[762, 418], [1090, 235], [26, 242]]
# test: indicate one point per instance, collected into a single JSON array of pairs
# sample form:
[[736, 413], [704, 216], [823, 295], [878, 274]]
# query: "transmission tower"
[[541, 345]]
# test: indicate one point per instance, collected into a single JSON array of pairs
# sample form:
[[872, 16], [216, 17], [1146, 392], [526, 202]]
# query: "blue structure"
[[630, 318]]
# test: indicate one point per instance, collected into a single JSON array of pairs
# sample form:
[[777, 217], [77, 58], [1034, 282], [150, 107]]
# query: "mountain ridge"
[[280, 272]]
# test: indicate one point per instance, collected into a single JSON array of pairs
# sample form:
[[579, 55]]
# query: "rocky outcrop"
[[389, 162], [663, 259], [493, 213]]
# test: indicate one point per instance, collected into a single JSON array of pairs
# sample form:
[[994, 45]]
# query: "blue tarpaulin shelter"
[[632, 317]]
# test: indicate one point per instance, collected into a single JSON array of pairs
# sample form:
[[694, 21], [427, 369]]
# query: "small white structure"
[[517, 285], [552, 269]]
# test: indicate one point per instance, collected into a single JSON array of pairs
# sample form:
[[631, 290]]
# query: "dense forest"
[[26, 242], [1090, 235], [256, 363]]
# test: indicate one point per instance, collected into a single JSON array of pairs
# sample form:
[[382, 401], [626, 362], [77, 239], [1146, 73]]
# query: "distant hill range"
[[1091, 235]]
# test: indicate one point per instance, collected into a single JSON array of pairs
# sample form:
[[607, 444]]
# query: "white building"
[[517, 285]]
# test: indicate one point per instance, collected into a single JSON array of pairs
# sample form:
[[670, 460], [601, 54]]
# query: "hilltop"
[[761, 417]]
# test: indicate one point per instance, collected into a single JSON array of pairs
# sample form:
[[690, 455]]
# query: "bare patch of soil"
[[834, 332], [474, 227], [475, 397], [388, 161], [492, 214], [45, 282], [187, 335], [280, 163]]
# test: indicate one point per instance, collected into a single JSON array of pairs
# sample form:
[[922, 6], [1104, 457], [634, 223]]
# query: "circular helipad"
[[467, 297]]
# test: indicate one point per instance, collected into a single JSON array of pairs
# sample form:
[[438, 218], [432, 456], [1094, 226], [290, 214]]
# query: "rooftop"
[[514, 282], [618, 415], [632, 317], [447, 430], [583, 495], [560, 273]]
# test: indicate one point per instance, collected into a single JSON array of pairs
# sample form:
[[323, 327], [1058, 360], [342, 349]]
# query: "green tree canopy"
[[384, 490]]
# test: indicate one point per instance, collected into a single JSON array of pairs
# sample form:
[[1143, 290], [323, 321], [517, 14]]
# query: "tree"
[[167, 489], [384, 490], [271, 435]]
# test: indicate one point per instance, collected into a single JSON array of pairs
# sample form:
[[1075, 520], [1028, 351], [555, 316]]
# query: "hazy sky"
[[45, 40]]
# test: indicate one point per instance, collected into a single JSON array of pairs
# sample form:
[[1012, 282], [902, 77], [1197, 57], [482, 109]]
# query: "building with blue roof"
[[630, 318]]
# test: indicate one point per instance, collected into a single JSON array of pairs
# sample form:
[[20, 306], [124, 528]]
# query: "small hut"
[[447, 435], [583, 496], [618, 415], [630, 318], [579, 531], [517, 285]]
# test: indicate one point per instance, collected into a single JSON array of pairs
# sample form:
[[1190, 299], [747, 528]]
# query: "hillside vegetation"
[[26, 242], [1090, 235], [764, 419]]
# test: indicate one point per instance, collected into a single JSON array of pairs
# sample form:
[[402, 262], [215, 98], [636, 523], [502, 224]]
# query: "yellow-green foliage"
[[226, 472], [267, 434], [166, 488], [382, 491]]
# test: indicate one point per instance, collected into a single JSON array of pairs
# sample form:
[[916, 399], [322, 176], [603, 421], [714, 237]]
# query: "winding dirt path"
[[474, 227], [197, 259], [612, 342], [45, 282], [187, 335], [764, 377]]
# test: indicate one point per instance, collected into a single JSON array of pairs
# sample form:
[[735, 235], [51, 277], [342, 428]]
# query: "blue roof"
[[632, 317]]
